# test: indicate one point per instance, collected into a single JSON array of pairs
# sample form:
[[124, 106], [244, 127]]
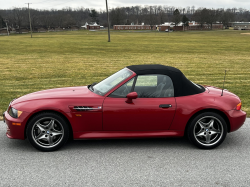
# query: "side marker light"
[[238, 107], [18, 124]]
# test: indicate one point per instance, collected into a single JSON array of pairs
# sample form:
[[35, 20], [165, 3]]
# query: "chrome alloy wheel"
[[208, 130], [47, 132]]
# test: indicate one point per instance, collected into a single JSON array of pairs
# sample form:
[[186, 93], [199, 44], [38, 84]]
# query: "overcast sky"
[[100, 4]]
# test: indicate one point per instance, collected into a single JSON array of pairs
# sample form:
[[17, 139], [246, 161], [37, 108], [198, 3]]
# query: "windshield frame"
[[110, 90]]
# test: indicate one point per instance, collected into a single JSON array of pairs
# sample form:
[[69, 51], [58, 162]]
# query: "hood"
[[58, 93]]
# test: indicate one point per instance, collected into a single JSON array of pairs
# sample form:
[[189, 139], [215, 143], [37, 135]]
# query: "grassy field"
[[76, 58]]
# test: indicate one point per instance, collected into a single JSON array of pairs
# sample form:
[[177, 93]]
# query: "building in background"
[[241, 25], [91, 26], [192, 26], [3, 31], [134, 27]]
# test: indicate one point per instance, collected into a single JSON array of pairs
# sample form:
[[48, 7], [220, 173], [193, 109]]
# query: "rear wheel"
[[207, 130], [47, 132]]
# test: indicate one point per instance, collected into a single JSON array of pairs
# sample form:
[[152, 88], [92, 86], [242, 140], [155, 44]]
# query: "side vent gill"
[[86, 108]]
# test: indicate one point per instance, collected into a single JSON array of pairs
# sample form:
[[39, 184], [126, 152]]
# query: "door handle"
[[165, 106]]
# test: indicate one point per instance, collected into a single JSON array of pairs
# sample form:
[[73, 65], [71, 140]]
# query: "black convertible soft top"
[[182, 86]]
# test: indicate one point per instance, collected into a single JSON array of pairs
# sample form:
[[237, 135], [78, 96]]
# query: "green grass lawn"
[[76, 58]]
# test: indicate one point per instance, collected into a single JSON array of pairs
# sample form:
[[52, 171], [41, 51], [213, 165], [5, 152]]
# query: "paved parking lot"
[[133, 162]]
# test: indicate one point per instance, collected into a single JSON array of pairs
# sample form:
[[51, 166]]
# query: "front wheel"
[[47, 132], [207, 130]]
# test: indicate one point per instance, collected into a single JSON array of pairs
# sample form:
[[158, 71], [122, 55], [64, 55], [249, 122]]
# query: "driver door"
[[151, 111]]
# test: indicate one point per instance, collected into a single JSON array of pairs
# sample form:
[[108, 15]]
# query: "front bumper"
[[237, 119], [15, 131]]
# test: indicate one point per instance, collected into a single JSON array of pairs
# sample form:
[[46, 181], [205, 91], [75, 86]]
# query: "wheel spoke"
[[50, 139], [57, 133], [214, 131], [201, 133], [51, 124], [40, 127], [40, 136], [202, 125], [208, 137], [211, 123]]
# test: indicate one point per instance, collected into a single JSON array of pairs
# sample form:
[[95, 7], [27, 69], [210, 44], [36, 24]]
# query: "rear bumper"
[[15, 131], [237, 119]]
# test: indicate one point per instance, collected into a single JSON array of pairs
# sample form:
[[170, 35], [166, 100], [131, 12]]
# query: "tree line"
[[149, 15]]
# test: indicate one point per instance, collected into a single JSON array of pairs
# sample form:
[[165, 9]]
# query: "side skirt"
[[126, 134]]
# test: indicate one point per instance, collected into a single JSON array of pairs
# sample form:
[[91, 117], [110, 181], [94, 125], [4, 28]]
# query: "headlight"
[[14, 113]]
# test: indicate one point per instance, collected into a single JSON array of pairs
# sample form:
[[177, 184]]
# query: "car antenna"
[[224, 82]]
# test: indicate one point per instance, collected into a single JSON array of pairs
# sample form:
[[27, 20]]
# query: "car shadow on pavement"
[[232, 140], [137, 143]]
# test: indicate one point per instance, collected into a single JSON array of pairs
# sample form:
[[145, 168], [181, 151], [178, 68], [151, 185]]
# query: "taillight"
[[238, 107]]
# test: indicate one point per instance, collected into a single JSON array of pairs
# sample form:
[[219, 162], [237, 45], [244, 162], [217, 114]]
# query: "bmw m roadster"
[[137, 101]]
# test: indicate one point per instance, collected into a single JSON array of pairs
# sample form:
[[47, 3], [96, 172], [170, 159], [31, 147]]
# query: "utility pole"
[[7, 26], [29, 19], [108, 20]]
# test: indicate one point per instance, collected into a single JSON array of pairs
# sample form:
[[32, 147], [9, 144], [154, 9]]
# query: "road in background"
[[131, 162]]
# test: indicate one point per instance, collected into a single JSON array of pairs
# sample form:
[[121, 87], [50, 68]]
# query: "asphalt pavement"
[[127, 162]]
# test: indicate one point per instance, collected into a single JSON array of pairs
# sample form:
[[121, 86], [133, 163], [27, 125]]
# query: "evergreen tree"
[[2, 23], [94, 15], [176, 17], [185, 20]]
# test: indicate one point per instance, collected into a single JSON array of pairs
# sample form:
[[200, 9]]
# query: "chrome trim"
[[87, 108]]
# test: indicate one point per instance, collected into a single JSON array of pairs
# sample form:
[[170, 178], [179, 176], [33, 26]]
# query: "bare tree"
[[161, 16], [226, 17], [118, 16], [211, 17], [20, 17], [152, 15], [200, 16], [192, 9], [188, 10]]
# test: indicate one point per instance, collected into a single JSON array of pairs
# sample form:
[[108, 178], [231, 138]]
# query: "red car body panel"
[[88, 121], [115, 118], [142, 114], [127, 134], [58, 93], [187, 106]]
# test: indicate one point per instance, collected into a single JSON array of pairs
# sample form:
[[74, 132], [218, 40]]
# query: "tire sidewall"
[[191, 126], [32, 122]]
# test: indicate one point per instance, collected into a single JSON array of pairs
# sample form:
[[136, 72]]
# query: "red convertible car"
[[137, 101]]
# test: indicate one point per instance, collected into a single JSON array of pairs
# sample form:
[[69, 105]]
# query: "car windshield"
[[107, 84]]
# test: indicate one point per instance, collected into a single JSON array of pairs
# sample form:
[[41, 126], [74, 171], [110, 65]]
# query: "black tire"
[[207, 130], [47, 131]]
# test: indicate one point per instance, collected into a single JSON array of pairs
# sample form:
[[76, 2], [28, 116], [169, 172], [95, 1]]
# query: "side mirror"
[[130, 96]]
